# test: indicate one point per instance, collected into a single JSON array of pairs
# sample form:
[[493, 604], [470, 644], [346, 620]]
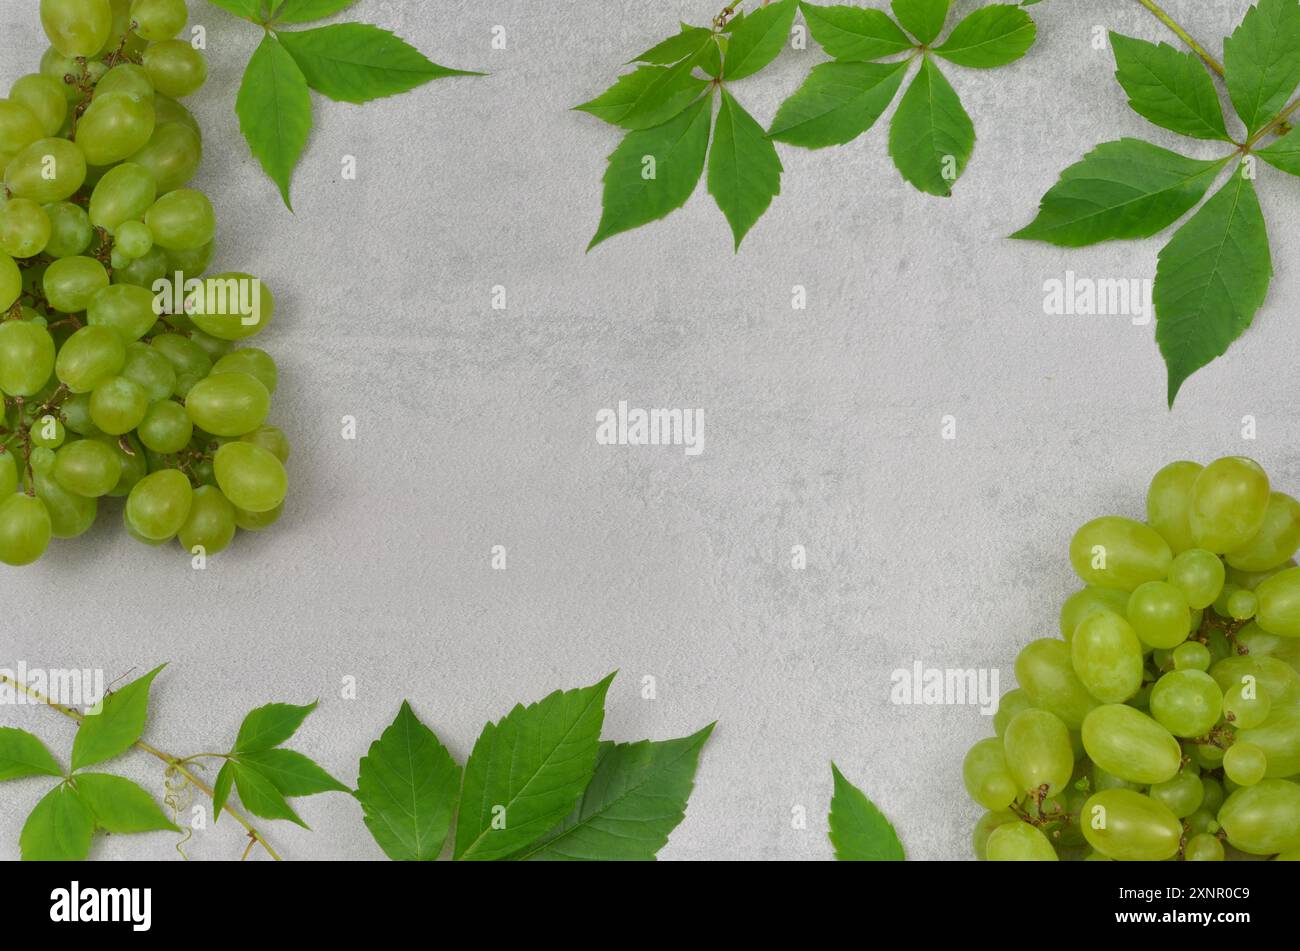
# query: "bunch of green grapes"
[[118, 366], [1165, 723]]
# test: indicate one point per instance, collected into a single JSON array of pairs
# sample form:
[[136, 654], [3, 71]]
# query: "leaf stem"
[[1277, 124], [172, 762], [1183, 35]]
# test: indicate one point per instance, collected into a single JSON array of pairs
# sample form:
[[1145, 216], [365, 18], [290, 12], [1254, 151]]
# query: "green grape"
[[1202, 821], [1199, 575], [1186, 702], [1213, 798], [121, 36], [251, 478], [43, 97], [1101, 779], [984, 828], [126, 310], [48, 432], [1242, 604], [228, 404], [115, 126], [214, 348], [1275, 542], [26, 358], [25, 530], [176, 68], [1191, 656], [11, 281], [1278, 610], [232, 306], [1169, 502], [144, 271], [172, 155], [1229, 500], [167, 428], [181, 220], [985, 772], [77, 27], [257, 521], [46, 171], [1203, 848], [1277, 677], [1251, 580], [70, 229], [126, 79], [87, 468], [117, 259], [256, 363], [1142, 699], [64, 70], [1182, 795], [1114, 552], [1158, 612], [159, 505], [1107, 657], [1264, 818], [1131, 745], [24, 228], [151, 370], [134, 239], [158, 20], [71, 515], [171, 111], [1246, 705], [1036, 745], [76, 413], [1012, 702], [8, 473], [1279, 738], [19, 128], [89, 358], [124, 194], [1129, 826], [1245, 763], [211, 523], [189, 360], [118, 405], [1045, 671], [274, 441], [71, 283], [1221, 602], [1019, 842], [1088, 601], [133, 464], [192, 263], [1209, 756]]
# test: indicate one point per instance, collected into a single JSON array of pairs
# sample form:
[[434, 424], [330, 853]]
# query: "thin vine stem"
[[173, 762], [1183, 35]]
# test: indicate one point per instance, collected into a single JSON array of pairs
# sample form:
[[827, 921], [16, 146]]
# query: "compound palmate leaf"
[[858, 830], [744, 171]]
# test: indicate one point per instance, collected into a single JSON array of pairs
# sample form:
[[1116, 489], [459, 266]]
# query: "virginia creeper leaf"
[[1262, 61], [260, 797], [528, 771], [1211, 279], [858, 830], [632, 89], [991, 36], [855, 33], [837, 103], [304, 11], [408, 786], [59, 828], [291, 772], [120, 806], [248, 9], [221, 790], [677, 47], [758, 39], [117, 726], [924, 19], [1168, 87], [635, 799], [931, 137], [744, 171], [654, 171], [1123, 189], [274, 109], [1284, 153], [22, 754], [269, 726]]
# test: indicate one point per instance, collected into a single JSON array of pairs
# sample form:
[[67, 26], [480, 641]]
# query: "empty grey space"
[[476, 428]]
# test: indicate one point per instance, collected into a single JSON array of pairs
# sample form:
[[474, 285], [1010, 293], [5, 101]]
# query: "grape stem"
[[174, 765]]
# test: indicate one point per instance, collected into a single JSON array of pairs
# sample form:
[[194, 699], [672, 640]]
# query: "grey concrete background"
[[477, 428]]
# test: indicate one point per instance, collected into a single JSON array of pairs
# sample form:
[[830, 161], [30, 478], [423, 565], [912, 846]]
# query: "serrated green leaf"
[[1284, 153], [677, 47], [527, 772], [1123, 189], [59, 829], [654, 171], [221, 790], [931, 137], [744, 170], [357, 62], [274, 109], [260, 797], [120, 806], [992, 36], [408, 786], [855, 33], [291, 772], [22, 754], [631, 92], [1168, 87], [269, 726], [1211, 279], [924, 19], [117, 726], [837, 103], [248, 9], [758, 39], [636, 798], [858, 830], [1262, 61], [305, 11]]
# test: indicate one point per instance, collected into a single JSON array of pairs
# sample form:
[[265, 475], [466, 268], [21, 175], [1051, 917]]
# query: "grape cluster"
[[118, 365], [1166, 720]]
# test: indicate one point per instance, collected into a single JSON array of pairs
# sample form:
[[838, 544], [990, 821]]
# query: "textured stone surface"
[[477, 428]]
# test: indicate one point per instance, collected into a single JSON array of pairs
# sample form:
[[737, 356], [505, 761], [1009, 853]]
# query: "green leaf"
[[758, 39], [837, 103], [221, 790], [677, 47], [654, 171], [1168, 87], [633, 93], [1284, 153], [59, 828], [291, 772], [274, 109], [636, 798], [356, 62], [120, 806], [857, 829], [1262, 61], [260, 797], [1124, 189], [248, 9], [931, 137], [22, 754], [408, 786], [991, 36], [117, 726], [855, 33], [924, 19], [269, 726], [1211, 279], [304, 11], [527, 772], [744, 171]]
